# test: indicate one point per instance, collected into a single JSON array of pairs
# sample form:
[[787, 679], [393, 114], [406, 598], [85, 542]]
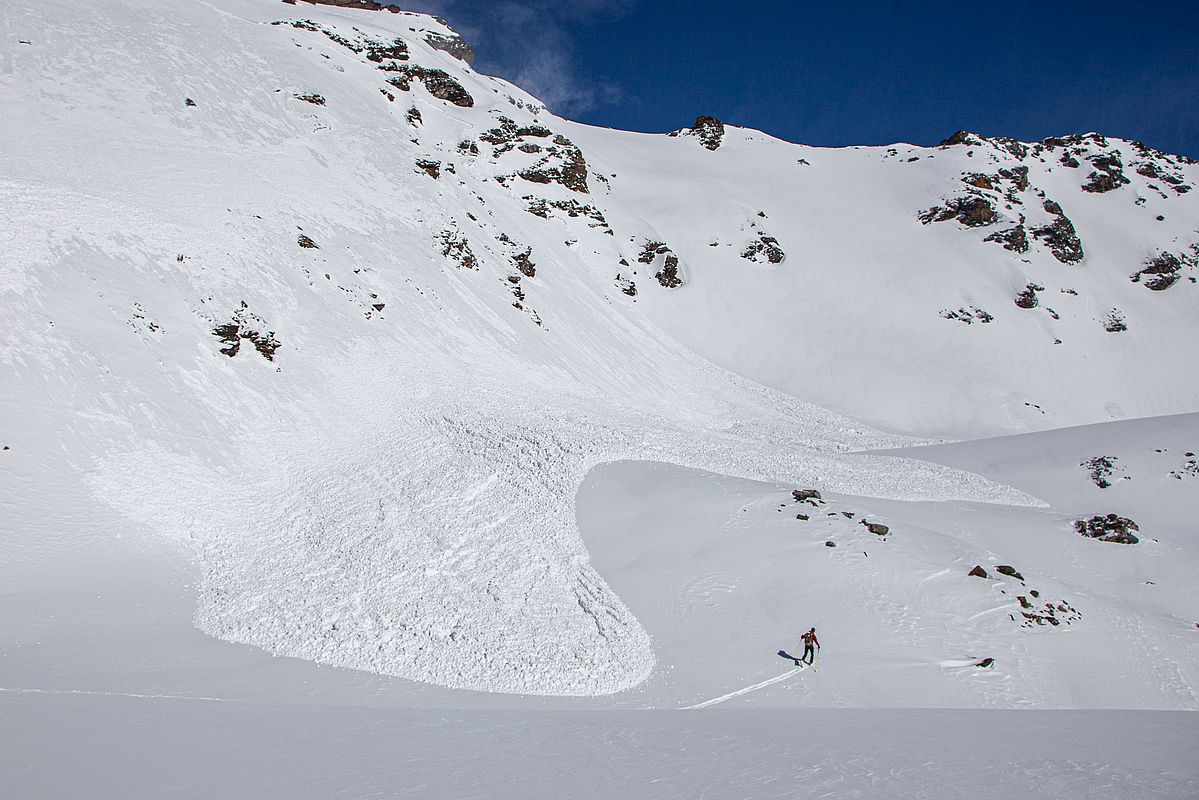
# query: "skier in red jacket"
[[809, 642]]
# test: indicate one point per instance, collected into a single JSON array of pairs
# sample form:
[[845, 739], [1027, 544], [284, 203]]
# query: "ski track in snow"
[[755, 687], [136, 695]]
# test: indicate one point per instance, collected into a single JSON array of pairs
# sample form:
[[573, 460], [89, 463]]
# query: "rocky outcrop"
[[437, 82], [1013, 239], [709, 131], [968, 315], [668, 263], [764, 249], [563, 164], [978, 572], [364, 5], [1159, 272], [968, 139], [303, 240], [1114, 322], [453, 44], [801, 495], [429, 167], [1028, 296], [1108, 528], [1108, 174], [1100, 469], [454, 246], [246, 326], [973, 211], [877, 528], [1059, 235]]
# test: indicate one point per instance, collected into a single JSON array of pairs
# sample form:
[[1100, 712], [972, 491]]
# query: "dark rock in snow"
[[1109, 528], [805, 494], [978, 572], [968, 315], [249, 327], [1028, 296], [453, 44], [986, 662], [764, 248], [430, 168], [973, 211], [1013, 239], [1163, 271], [709, 131], [304, 241], [1099, 469], [437, 82], [668, 273], [1108, 174], [877, 528], [455, 247], [1010, 571], [1059, 236]]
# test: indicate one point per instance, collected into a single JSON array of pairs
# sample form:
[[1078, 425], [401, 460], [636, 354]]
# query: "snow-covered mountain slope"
[[295, 287]]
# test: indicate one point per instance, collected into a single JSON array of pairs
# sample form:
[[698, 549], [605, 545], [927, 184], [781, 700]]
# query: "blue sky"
[[852, 72]]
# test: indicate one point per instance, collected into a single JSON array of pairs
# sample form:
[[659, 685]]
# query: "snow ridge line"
[[747, 689], [120, 694]]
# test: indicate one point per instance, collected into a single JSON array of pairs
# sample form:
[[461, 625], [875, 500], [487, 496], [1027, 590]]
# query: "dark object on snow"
[[246, 326], [187, 101], [805, 494], [304, 241], [429, 167], [1109, 528], [1100, 469], [876, 528], [830, 544], [972, 211], [986, 662], [1010, 571], [1114, 322], [978, 572], [313, 98], [1059, 236], [709, 131], [437, 82], [802, 517], [1160, 272], [1028, 296], [454, 45]]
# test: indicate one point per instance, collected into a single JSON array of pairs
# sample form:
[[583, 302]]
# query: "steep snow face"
[[298, 287], [884, 281]]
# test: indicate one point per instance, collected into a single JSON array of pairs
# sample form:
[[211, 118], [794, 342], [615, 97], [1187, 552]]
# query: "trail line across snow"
[[119, 694], [747, 689]]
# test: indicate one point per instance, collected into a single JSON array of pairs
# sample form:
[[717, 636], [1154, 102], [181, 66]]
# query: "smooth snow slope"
[[723, 575], [249, 750]]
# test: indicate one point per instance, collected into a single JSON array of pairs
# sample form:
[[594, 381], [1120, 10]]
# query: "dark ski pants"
[[809, 654]]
